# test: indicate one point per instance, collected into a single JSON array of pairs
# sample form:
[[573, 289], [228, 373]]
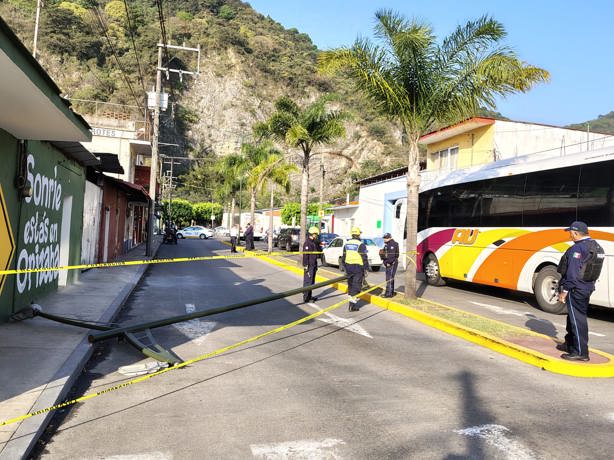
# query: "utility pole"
[[39, 4], [153, 173], [322, 174]]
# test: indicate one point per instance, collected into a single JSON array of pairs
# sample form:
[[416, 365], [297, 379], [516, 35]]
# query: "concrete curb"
[[30, 430], [502, 346]]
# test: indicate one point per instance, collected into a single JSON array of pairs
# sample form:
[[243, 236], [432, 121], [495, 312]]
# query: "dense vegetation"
[[602, 124]]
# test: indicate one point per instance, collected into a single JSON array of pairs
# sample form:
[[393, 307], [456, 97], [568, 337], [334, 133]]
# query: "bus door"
[[399, 227]]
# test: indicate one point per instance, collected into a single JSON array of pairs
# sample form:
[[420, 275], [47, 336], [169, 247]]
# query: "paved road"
[[501, 304], [385, 388]]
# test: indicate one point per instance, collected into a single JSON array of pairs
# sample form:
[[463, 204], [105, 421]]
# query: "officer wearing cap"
[[310, 263], [575, 293], [355, 263], [391, 262]]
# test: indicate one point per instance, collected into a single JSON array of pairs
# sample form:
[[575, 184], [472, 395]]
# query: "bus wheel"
[[431, 270], [546, 291]]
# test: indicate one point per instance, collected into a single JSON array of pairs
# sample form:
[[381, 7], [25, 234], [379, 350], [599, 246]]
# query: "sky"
[[570, 39]]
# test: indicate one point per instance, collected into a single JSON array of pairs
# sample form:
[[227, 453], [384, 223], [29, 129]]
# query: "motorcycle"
[[170, 236]]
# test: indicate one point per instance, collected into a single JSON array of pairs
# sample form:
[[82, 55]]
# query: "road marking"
[[145, 456], [344, 323], [304, 450], [195, 329], [504, 311], [495, 435], [496, 309], [610, 417], [596, 334]]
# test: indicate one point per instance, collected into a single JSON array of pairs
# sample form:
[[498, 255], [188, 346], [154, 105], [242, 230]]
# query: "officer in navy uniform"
[[310, 263], [576, 293], [355, 263], [391, 262], [249, 237]]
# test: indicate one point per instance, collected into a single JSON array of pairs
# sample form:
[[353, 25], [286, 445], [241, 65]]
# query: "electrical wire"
[[136, 54], [98, 17]]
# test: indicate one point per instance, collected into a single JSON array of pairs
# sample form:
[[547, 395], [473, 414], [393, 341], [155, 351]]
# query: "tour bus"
[[503, 225]]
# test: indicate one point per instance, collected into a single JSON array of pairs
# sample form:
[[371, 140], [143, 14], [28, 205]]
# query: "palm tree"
[[421, 83], [231, 169], [257, 159], [303, 128], [276, 172]]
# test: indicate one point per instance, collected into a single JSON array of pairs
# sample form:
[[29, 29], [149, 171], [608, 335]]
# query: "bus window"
[[440, 208], [596, 195], [502, 202], [551, 197]]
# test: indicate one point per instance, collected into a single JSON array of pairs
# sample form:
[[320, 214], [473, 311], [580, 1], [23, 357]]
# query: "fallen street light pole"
[[115, 332]]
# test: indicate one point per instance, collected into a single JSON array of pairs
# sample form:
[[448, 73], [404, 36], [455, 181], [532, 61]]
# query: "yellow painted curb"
[[527, 355]]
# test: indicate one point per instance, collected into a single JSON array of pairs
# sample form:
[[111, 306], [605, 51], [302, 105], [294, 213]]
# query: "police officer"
[[391, 262], [310, 263], [234, 236], [355, 263], [249, 237], [576, 293]]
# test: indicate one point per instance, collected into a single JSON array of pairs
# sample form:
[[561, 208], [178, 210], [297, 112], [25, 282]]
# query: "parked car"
[[288, 238], [195, 231], [325, 239], [221, 231], [331, 255]]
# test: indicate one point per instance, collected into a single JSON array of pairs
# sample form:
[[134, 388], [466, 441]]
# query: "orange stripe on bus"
[[502, 268]]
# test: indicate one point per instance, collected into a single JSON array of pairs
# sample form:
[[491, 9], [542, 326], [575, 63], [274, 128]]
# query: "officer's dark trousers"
[[249, 243], [233, 244], [391, 270], [577, 325], [355, 275], [309, 278]]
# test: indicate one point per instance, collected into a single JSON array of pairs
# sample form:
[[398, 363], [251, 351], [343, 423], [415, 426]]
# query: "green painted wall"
[[38, 221]]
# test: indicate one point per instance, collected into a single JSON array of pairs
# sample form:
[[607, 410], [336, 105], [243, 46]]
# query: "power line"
[[136, 54], [96, 13], [164, 42]]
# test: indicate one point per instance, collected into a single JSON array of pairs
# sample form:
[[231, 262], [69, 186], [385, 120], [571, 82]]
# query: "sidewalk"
[[40, 359]]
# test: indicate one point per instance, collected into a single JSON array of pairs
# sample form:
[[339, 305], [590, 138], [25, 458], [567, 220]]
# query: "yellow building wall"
[[474, 147]]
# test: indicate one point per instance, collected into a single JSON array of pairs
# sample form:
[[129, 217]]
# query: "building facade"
[[42, 179]]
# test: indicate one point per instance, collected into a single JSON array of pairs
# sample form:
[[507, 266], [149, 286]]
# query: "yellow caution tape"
[[185, 363], [244, 255]]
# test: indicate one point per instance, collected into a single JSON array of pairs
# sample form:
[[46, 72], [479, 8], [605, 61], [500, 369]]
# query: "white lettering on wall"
[[40, 232]]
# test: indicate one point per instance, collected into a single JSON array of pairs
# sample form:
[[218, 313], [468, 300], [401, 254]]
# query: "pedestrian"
[[310, 263], [249, 237], [580, 267], [355, 263], [391, 263], [234, 236]]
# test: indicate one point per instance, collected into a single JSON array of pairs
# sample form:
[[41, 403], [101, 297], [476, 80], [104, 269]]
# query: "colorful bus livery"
[[522, 259], [503, 225]]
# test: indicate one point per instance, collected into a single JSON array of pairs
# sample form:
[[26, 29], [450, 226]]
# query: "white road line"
[[144, 456], [308, 449], [345, 323], [195, 329], [495, 435], [610, 417], [504, 311], [563, 327], [496, 309]]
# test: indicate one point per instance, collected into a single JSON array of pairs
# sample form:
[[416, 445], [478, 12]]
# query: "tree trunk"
[[232, 212], [413, 184], [252, 207], [304, 198], [270, 242]]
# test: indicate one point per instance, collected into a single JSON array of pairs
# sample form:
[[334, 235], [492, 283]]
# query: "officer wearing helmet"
[[310, 262], [355, 263]]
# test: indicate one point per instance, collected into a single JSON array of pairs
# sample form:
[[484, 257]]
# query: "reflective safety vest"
[[352, 256]]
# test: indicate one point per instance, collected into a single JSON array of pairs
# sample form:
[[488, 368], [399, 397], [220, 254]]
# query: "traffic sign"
[[7, 243]]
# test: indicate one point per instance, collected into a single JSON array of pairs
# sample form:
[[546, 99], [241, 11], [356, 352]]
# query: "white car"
[[221, 231], [331, 255], [195, 231]]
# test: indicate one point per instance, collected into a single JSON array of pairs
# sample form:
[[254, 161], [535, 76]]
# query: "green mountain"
[[602, 124], [247, 61]]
